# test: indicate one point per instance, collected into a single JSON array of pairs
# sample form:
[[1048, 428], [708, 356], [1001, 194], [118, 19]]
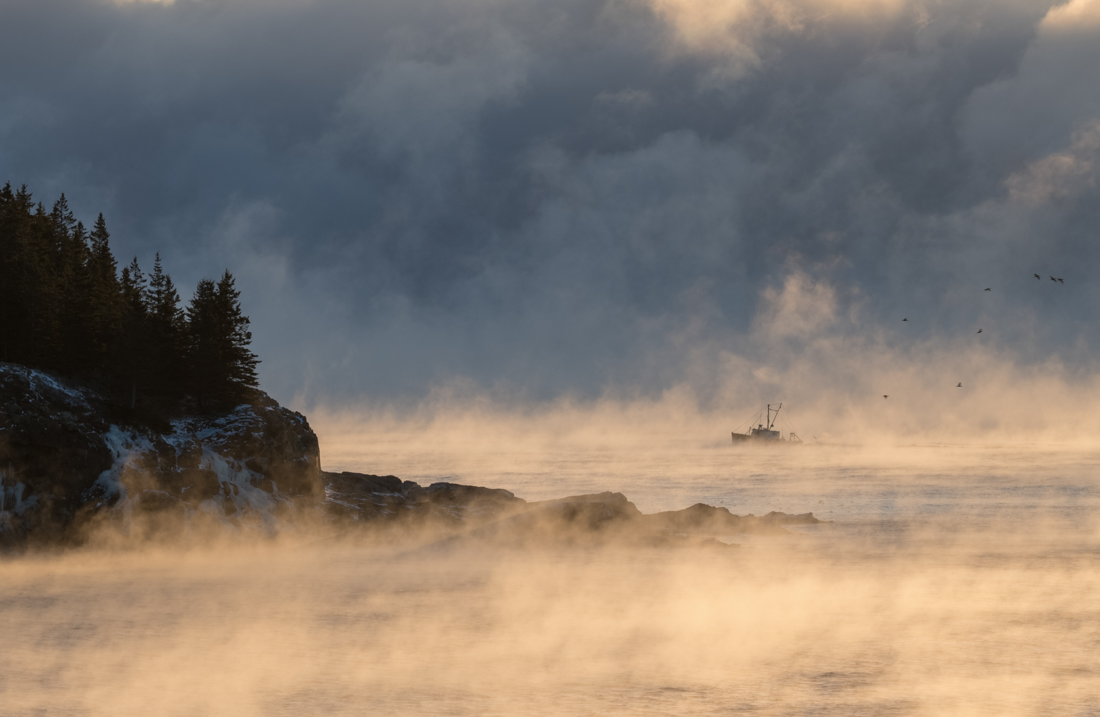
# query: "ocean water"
[[951, 580]]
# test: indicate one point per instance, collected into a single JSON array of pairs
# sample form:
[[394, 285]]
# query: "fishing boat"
[[765, 432]]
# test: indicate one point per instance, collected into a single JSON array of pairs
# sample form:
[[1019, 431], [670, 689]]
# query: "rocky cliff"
[[65, 469], [62, 463]]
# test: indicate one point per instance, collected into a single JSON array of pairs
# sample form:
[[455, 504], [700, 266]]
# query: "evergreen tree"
[[240, 362], [14, 316], [105, 298], [223, 369], [11, 298], [133, 287], [69, 256], [130, 354], [65, 306], [204, 359], [167, 332], [47, 243], [28, 294], [75, 283], [61, 217]]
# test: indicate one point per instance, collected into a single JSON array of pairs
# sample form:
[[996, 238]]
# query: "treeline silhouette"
[[65, 307]]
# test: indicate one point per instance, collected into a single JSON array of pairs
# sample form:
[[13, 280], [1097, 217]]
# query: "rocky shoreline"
[[66, 469]]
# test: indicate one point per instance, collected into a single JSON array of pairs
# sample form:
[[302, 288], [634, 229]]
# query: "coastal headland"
[[69, 470]]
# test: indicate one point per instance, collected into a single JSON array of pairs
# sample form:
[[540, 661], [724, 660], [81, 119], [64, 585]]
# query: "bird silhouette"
[[885, 396], [1053, 279], [1037, 276], [988, 289], [1061, 282], [960, 385], [979, 331], [905, 319]]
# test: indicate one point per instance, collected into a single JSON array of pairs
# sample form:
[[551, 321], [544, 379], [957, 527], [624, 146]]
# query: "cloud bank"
[[572, 197]]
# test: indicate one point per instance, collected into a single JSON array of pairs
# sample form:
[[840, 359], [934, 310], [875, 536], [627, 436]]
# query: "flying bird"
[[1053, 279], [905, 319], [1037, 276], [979, 331], [960, 385], [1061, 282], [885, 396], [988, 289]]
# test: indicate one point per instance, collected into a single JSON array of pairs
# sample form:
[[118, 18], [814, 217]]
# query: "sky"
[[548, 198]]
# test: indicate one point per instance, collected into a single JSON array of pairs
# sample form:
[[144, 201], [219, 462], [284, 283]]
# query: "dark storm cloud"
[[570, 194]]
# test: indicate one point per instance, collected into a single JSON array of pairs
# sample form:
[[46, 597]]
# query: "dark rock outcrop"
[[62, 463], [388, 499], [51, 451], [709, 520], [496, 517]]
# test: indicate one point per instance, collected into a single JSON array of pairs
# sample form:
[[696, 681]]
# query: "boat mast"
[[770, 421]]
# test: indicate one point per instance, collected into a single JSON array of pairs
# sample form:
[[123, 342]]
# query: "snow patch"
[[239, 492], [12, 502], [124, 447], [239, 495], [39, 382]]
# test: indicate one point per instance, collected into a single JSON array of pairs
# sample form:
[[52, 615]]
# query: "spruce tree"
[[130, 363], [240, 362], [167, 332], [62, 225], [29, 310], [69, 255], [105, 298], [75, 282], [204, 359], [65, 306], [223, 369], [15, 273]]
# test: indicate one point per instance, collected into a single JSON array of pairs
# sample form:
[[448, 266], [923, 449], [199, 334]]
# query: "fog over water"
[[955, 579]]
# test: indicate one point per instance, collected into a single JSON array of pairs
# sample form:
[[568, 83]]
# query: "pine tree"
[[133, 288], [130, 354], [204, 359], [28, 293], [62, 225], [14, 325], [167, 332], [105, 298], [75, 283], [48, 242], [65, 306], [240, 362], [223, 369]]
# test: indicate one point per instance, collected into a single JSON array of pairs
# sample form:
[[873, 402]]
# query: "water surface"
[[952, 581]]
